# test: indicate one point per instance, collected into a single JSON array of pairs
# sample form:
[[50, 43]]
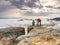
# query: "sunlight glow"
[[36, 10]]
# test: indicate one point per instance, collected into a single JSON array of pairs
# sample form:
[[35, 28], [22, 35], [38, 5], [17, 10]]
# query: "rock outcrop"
[[41, 36], [13, 31]]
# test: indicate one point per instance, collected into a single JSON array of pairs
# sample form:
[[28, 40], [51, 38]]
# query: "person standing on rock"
[[33, 22], [39, 22]]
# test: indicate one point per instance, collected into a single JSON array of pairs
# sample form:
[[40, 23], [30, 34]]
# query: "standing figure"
[[39, 22], [33, 22]]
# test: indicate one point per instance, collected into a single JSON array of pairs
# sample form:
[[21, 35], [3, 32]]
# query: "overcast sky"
[[18, 8]]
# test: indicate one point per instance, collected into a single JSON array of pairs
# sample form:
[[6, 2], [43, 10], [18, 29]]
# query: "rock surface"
[[41, 36]]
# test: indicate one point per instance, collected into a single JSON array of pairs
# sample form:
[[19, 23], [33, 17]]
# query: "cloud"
[[28, 13], [36, 3], [8, 8], [49, 6], [4, 8], [30, 3], [52, 7], [11, 13], [53, 2], [56, 7]]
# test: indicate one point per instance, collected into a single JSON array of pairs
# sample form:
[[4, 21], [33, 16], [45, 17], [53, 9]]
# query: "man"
[[39, 21]]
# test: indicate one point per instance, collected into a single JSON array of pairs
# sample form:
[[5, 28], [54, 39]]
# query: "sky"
[[30, 8]]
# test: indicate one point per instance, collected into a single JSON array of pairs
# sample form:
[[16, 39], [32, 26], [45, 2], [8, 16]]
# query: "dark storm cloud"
[[29, 3], [18, 4]]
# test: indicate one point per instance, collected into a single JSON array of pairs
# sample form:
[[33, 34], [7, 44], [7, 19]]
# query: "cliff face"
[[41, 36]]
